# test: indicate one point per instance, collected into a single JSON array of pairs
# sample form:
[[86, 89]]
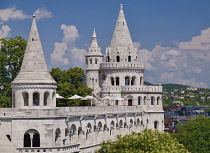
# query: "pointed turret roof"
[[94, 48], [34, 67], [121, 36]]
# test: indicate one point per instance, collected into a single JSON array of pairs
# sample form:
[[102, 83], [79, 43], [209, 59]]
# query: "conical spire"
[[94, 48], [34, 67], [121, 36]]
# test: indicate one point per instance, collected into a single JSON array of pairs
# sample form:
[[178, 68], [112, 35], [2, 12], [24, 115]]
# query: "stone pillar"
[[30, 98]]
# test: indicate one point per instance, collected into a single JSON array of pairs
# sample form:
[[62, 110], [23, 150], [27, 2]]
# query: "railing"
[[64, 149], [133, 89], [122, 65]]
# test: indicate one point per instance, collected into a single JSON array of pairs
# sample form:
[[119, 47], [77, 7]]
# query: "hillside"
[[169, 85]]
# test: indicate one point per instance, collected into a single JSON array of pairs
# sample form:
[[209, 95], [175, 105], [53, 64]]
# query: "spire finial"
[[34, 16], [121, 6]]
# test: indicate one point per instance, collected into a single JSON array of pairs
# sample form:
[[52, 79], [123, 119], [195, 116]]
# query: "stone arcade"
[[35, 124]]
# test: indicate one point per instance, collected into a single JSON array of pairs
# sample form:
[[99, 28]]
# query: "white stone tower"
[[121, 71], [33, 87], [94, 58]]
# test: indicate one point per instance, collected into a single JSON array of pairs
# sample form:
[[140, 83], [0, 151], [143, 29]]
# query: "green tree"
[[147, 141], [71, 82], [195, 135], [11, 56]]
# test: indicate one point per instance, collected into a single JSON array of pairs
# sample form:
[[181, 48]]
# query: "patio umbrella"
[[88, 98], [75, 97], [59, 96]]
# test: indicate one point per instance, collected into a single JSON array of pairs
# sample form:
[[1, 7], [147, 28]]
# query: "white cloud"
[[74, 57], [11, 14], [5, 31], [57, 55], [70, 33], [42, 14], [201, 42], [173, 53]]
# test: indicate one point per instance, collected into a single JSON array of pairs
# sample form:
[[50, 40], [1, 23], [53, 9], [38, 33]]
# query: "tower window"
[[32, 39], [25, 98], [96, 61], [123, 23], [36, 99], [90, 61], [108, 59], [117, 81], [118, 58], [129, 58], [127, 81]]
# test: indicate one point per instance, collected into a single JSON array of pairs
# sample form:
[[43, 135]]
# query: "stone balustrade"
[[122, 65], [63, 149]]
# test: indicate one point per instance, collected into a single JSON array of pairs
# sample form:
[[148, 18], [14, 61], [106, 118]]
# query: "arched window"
[[112, 81], [35, 141], [156, 125], [158, 100], [25, 98], [90, 61], [96, 61], [66, 132], [108, 59], [118, 58], [121, 124], [99, 126], [36, 99], [127, 81], [133, 81], [27, 140], [86, 61], [141, 81], [139, 100], [129, 102], [152, 100], [129, 58], [46, 98], [58, 135], [117, 81], [145, 100]]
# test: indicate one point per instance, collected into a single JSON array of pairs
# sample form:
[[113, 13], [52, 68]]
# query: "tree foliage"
[[71, 82], [11, 56], [195, 135], [147, 141]]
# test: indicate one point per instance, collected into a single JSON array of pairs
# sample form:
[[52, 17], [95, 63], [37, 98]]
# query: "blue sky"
[[173, 36]]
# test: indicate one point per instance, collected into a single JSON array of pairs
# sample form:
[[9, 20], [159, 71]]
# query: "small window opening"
[[32, 39]]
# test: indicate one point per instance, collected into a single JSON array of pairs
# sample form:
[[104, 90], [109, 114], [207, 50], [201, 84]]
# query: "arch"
[[142, 123], [27, 140], [66, 132], [112, 125], [145, 100], [158, 100], [99, 126], [105, 127], [79, 131], [25, 98], [133, 79], [31, 138], [46, 98], [129, 58], [112, 80], [90, 61], [108, 59], [96, 61], [125, 125], [138, 121], [139, 100], [117, 58], [103, 77], [131, 123], [117, 81], [121, 124], [86, 61], [156, 124], [36, 140], [127, 80], [73, 131], [152, 99], [57, 135], [130, 102], [147, 123], [94, 128], [36, 99]]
